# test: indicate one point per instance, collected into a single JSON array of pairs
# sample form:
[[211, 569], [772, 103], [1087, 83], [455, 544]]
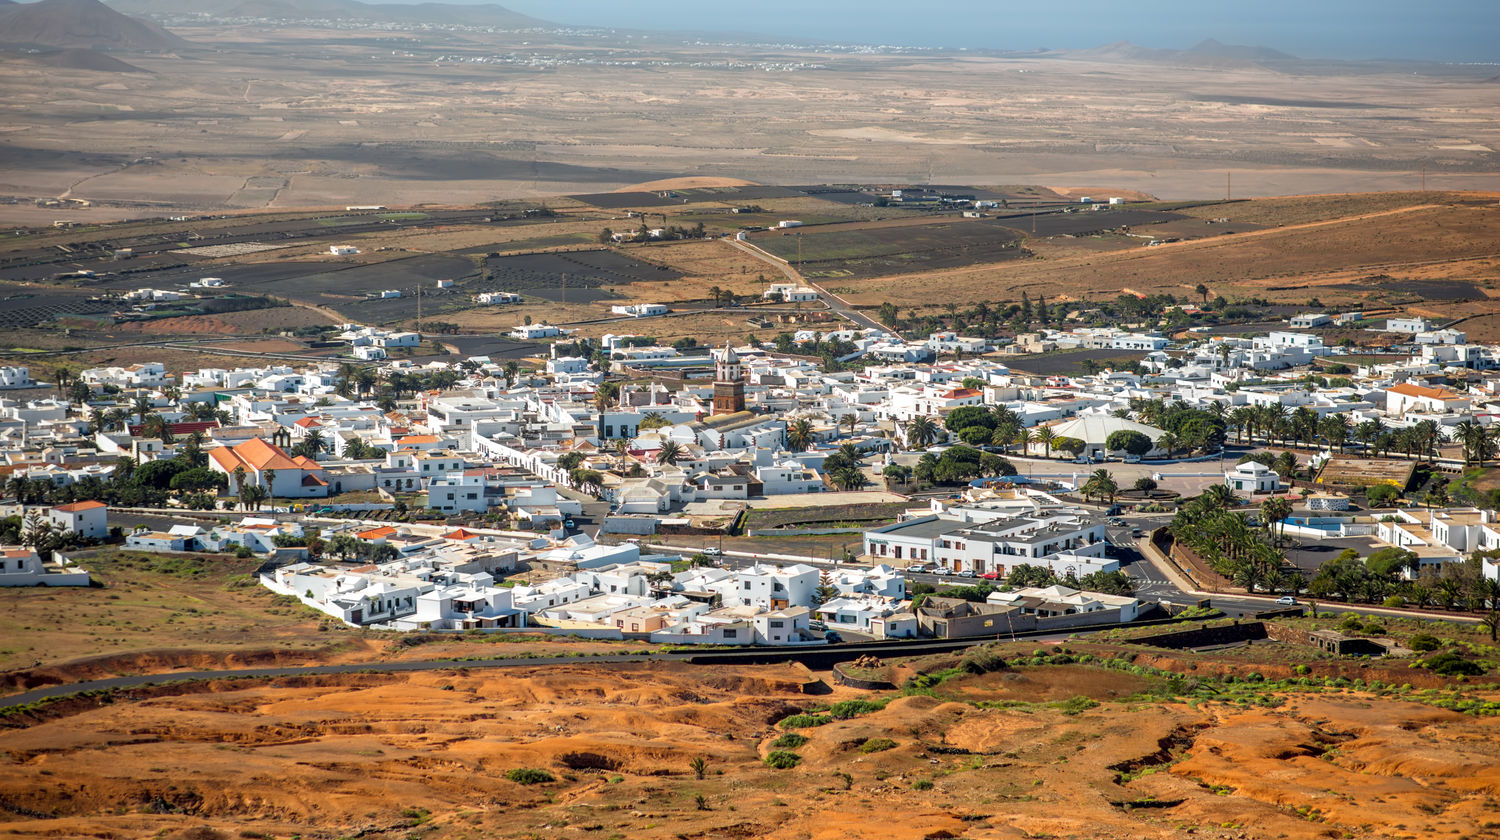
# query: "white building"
[[89, 519], [456, 492], [22, 567], [1407, 326], [15, 377], [1252, 477], [639, 310], [495, 298], [1309, 320], [342, 250], [535, 331]]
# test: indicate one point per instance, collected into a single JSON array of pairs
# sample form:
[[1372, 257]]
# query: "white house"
[[1252, 477], [535, 331], [89, 520], [22, 567], [639, 310], [1406, 397], [1408, 326], [1309, 320], [495, 298], [15, 377], [457, 491], [342, 250]]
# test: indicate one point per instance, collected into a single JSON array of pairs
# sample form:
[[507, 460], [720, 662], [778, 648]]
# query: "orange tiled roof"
[[1407, 389], [80, 506]]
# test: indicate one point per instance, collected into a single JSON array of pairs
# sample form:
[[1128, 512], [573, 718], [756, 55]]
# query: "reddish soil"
[[391, 756]]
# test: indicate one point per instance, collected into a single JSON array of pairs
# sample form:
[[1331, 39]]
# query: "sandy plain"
[[279, 117]]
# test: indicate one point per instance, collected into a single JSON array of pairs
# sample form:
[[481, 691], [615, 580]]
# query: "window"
[[747, 585], [730, 633], [777, 625]]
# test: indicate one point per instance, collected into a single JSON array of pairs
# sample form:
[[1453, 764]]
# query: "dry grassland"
[[1276, 263]]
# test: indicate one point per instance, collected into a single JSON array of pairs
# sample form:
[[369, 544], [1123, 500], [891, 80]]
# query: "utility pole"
[[1424, 177], [1228, 190], [419, 309], [565, 288]]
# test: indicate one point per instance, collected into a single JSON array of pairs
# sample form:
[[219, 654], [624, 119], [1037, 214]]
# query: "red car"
[[990, 576]]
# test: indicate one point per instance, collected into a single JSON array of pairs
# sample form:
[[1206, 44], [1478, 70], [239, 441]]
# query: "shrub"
[[1302, 669], [922, 784], [803, 721], [1077, 705], [789, 741], [845, 709], [875, 745], [1424, 642], [529, 776], [782, 759], [1395, 601], [1450, 664], [982, 660]]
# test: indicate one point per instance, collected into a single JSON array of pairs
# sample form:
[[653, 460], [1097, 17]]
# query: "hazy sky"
[[1452, 30]]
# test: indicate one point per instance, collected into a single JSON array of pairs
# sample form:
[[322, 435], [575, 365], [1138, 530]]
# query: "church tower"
[[729, 382]]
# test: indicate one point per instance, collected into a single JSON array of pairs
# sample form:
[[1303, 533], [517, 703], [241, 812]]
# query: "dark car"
[[833, 637]]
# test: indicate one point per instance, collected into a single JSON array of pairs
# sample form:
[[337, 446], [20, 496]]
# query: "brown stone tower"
[[729, 382]]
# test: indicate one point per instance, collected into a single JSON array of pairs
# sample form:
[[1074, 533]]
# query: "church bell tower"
[[729, 382]]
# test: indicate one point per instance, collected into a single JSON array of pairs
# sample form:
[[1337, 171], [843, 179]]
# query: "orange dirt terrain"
[[431, 755]]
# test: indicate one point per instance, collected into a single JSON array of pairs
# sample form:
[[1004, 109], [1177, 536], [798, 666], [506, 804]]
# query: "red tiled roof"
[[80, 506]]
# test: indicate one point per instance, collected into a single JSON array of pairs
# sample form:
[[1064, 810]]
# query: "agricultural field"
[[852, 253], [588, 274]]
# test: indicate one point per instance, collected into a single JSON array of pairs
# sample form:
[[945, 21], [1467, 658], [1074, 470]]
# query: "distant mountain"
[[1209, 53], [1211, 47], [439, 13], [82, 59], [87, 24]]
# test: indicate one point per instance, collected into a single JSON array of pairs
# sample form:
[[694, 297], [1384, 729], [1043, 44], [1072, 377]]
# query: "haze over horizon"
[[1444, 30]]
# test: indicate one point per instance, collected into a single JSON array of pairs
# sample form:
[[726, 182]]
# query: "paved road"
[[835, 304]]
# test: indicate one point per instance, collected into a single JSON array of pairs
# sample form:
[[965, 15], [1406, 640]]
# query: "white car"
[[1287, 600], [713, 551]]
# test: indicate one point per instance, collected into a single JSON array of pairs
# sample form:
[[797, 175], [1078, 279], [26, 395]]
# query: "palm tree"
[[799, 435], [1168, 443], [1285, 464], [1273, 511], [270, 484], [313, 443], [1102, 484], [669, 453], [1202, 290], [141, 405], [653, 420], [850, 420], [1366, 433], [1219, 497], [1023, 439], [155, 425], [921, 432], [1238, 420], [1044, 437]]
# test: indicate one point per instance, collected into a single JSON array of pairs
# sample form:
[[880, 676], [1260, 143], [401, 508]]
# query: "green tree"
[[1128, 441]]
